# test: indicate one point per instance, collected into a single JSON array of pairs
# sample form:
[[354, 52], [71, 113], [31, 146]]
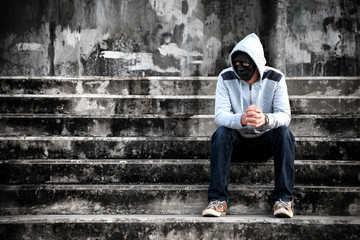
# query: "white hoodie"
[[269, 92]]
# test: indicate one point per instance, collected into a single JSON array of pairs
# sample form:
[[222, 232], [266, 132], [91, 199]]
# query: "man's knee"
[[284, 133], [222, 134]]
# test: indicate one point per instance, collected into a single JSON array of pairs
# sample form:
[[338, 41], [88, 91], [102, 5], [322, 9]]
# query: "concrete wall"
[[322, 38], [175, 37]]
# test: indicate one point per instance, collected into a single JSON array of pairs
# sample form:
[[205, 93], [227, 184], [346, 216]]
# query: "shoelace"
[[215, 204], [282, 204]]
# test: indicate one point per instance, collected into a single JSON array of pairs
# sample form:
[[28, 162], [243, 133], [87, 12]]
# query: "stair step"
[[168, 199], [325, 125], [105, 125], [166, 105], [107, 104], [156, 148], [108, 85], [170, 171], [103, 145], [177, 227], [160, 125], [325, 86], [325, 104]]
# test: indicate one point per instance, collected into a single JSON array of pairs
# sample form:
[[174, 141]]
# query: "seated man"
[[252, 112]]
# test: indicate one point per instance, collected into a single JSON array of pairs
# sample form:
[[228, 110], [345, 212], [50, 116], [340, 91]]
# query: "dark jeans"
[[228, 145]]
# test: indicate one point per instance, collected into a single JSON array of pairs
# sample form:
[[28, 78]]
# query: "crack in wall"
[[51, 48]]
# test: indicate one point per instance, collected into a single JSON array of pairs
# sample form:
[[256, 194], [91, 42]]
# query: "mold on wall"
[[175, 37], [322, 38], [24, 38]]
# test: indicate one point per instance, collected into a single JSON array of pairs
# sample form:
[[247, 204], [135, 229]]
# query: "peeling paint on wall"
[[26, 53], [322, 38], [187, 37], [136, 61], [28, 46]]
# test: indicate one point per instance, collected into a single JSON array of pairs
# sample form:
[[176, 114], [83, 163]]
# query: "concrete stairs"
[[112, 158]]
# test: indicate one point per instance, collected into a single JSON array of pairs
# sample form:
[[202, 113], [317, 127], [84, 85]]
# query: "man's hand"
[[253, 117]]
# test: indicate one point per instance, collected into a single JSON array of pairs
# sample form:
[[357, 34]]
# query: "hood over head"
[[252, 46]]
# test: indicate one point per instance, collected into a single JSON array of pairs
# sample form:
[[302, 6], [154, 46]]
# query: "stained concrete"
[[178, 227], [170, 171], [153, 86], [183, 38], [168, 106], [126, 174], [38, 147], [160, 125], [322, 40], [169, 199]]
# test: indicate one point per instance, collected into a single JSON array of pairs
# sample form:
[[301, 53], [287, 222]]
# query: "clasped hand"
[[253, 117]]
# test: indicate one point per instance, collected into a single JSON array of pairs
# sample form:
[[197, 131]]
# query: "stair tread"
[[199, 116], [123, 125], [318, 98], [128, 218], [156, 138], [119, 78], [159, 147], [169, 171], [168, 199], [166, 187], [158, 104], [111, 96], [164, 161], [182, 97]]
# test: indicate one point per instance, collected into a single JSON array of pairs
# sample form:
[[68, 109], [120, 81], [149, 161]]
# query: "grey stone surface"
[[141, 146], [169, 199], [152, 125], [178, 227], [323, 86], [308, 86], [169, 37], [155, 147], [170, 171], [170, 106], [109, 85]]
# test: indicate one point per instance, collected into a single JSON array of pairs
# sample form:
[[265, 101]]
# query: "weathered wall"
[[175, 37], [323, 38]]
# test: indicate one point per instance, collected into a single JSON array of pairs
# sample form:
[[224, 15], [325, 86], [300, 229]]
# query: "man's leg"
[[222, 145], [283, 145], [284, 156]]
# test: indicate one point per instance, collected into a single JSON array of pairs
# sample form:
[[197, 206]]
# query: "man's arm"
[[281, 105], [281, 116], [224, 115]]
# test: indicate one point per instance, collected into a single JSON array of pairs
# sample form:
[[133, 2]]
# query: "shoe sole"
[[212, 213], [283, 213]]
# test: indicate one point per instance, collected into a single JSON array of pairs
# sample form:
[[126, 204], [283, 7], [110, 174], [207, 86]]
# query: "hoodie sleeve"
[[224, 115], [281, 105]]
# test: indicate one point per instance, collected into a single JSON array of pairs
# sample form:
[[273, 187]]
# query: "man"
[[252, 112]]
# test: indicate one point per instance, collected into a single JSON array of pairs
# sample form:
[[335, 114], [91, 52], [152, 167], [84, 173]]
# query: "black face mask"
[[240, 59]]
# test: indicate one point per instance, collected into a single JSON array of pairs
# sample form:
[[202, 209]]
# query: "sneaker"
[[215, 209], [283, 209]]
